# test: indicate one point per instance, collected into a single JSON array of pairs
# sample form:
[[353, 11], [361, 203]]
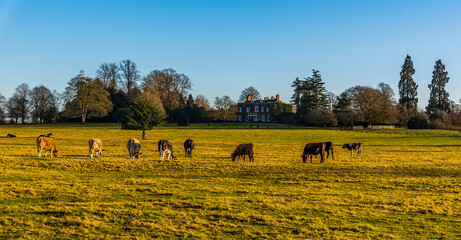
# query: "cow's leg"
[[351, 153], [311, 158], [91, 154], [332, 156]]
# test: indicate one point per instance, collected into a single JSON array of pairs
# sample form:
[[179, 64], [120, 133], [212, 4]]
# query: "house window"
[[262, 109], [257, 109], [246, 119], [263, 118], [268, 118], [255, 118], [240, 109], [240, 118], [248, 109]]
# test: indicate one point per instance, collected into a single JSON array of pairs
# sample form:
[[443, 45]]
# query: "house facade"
[[255, 110]]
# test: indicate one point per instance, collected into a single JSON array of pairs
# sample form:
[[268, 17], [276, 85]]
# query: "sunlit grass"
[[405, 185]]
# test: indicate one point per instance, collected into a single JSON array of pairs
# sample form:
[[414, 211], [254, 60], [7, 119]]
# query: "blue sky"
[[226, 46]]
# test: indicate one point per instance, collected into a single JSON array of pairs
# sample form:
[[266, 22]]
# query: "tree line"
[[118, 93], [364, 105]]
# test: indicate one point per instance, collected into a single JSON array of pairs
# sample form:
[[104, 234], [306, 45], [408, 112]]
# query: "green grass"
[[406, 185]]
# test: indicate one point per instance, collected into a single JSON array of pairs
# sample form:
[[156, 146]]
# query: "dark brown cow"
[[328, 148], [354, 146], [314, 149], [243, 150]]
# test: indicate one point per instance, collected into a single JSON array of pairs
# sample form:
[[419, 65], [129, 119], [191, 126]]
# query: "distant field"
[[405, 185]]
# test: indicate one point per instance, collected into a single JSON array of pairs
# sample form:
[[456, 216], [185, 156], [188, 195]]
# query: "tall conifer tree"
[[438, 99], [408, 89]]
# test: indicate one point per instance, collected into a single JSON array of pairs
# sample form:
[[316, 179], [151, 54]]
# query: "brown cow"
[[95, 147], [354, 146], [243, 150], [46, 144], [314, 149]]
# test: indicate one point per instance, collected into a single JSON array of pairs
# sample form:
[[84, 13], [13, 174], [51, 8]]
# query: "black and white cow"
[[165, 147], [354, 146]]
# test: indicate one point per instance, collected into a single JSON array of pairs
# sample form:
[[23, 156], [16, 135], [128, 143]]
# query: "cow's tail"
[[160, 148]]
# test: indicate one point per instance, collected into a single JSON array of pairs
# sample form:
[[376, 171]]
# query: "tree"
[[225, 107], [21, 101], [145, 113], [408, 90], [332, 100], [41, 102], [344, 110], [438, 99], [170, 86], [14, 112], [109, 73], [86, 98], [250, 91], [2, 110], [309, 94], [129, 77], [201, 101]]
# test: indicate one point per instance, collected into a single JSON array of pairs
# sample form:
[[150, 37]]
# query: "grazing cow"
[[46, 135], [354, 146], [95, 147], [243, 150], [165, 147], [314, 149], [134, 146], [10, 135], [328, 148], [47, 145], [188, 147]]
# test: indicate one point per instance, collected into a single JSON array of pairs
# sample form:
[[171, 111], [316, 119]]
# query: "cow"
[[328, 148], [95, 147], [188, 147], [354, 146], [47, 145], [243, 150], [314, 149], [134, 146], [46, 135], [165, 147], [10, 135]]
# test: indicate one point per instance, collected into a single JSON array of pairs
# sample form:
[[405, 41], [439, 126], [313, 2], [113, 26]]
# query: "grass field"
[[404, 186]]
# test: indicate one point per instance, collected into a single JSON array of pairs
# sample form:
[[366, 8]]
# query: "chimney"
[[249, 98], [277, 98], [266, 98], [272, 97]]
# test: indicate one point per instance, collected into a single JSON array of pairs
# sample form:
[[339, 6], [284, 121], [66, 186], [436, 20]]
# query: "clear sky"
[[228, 45]]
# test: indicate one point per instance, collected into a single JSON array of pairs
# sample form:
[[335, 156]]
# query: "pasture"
[[404, 185]]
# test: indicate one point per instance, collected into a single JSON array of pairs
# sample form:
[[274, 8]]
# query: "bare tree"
[[21, 101], [86, 98], [109, 74], [2, 108], [332, 100], [13, 109], [129, 77], [225, 107], [41, 101], [170, 86], [201, 101], [250, 91]]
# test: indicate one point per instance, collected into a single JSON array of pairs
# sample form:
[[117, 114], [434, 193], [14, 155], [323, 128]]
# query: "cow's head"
[[345, 145], [55, 152], [304, 157], [233, 155]]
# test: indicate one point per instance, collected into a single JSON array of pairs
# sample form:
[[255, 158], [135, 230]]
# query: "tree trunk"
[[144, 135]]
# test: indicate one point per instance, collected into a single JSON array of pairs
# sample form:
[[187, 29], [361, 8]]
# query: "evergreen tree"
[[408, 90], [310, 93], [143, 114], [438, 99]]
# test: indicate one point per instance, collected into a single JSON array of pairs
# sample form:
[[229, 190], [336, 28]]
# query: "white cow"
[[134, 146], [95, 147]]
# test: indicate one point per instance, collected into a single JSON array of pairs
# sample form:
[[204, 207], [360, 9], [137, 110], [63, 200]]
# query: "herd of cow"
[[165, 149]]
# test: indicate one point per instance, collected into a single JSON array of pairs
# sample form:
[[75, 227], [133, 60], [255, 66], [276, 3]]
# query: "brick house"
[[255, 110]]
